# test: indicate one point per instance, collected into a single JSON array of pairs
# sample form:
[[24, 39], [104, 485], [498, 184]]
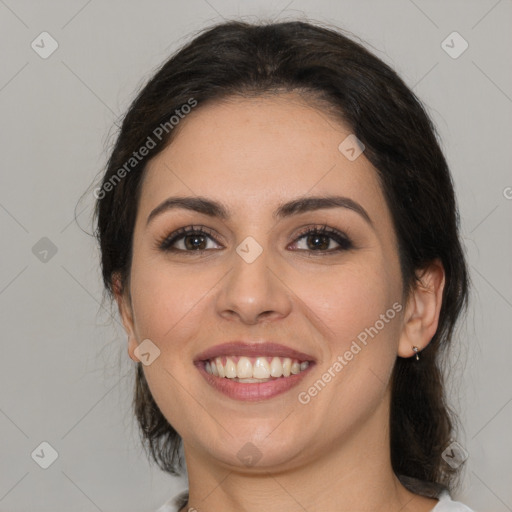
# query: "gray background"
[[65, 374]]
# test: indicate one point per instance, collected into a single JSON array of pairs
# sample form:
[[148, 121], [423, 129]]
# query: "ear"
[[421, 315], [126, 313]]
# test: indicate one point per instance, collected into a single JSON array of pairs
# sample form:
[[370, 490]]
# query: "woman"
[[278, 226]]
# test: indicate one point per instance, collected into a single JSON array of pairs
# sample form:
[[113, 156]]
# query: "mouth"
[[253, 372]]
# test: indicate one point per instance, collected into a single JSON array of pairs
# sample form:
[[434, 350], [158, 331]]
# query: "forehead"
[[255, 153]]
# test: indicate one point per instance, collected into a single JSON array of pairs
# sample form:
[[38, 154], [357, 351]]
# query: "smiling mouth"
[[254, 369], [252, 372]]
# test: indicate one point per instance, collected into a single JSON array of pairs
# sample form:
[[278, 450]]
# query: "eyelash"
[[340, 238]]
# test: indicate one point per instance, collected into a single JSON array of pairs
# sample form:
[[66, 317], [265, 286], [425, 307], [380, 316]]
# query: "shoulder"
[[175, 504], [434, 490], [446, 504]]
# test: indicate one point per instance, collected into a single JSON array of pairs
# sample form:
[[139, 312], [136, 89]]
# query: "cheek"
[[360, 310], [168, 301], [348, 300]]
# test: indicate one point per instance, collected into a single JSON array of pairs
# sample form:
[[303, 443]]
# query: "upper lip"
[[254, 349]]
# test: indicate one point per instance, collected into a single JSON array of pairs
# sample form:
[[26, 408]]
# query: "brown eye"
[[187, 239], [196, 241], [320, 239]]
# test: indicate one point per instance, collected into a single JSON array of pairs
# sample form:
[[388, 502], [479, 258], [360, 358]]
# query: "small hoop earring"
[[416, 349]]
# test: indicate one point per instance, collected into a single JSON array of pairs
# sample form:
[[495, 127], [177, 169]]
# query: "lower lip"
[[252, 392]]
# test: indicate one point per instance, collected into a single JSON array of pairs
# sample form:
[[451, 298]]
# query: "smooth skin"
[[252, 155]]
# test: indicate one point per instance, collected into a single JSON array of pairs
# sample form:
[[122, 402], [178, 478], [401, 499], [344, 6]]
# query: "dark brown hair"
[[238, 58]]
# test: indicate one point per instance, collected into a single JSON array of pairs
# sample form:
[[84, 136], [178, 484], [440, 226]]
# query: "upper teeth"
[[233, 367]]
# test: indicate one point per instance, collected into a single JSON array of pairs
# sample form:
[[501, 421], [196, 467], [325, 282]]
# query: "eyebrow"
[[300, 205]]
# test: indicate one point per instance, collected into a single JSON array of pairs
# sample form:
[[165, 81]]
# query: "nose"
[[253, 292]]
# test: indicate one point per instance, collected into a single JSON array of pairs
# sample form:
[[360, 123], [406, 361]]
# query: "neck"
[[352, 474]]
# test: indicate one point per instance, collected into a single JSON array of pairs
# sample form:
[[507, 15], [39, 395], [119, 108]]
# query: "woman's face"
[[260, 281]]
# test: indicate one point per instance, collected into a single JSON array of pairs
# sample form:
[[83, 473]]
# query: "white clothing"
[[445, 504]]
